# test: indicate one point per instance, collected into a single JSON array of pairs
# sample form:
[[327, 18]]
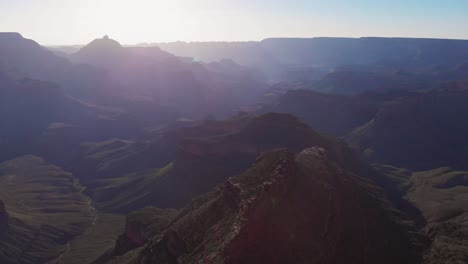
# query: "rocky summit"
[[286, 208]]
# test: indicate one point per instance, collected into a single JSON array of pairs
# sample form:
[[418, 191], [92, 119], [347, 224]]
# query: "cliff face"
[[419, 132], [287, 208], [141, 225], [329, 113], [3, 218]]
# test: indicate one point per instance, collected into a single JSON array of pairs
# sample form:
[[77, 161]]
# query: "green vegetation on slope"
[[131, 192], [441, 195], [99, 238], [46, 210]]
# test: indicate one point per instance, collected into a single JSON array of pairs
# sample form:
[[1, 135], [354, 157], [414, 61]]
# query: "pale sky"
[[135, 21]]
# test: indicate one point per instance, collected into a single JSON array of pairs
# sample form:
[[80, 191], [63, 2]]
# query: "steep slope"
[[37, 62], [420, 131], [99, 238], [40, 118], [28, 108], [304, 208], [208, 154], [45, 210], [28, 56], [117, 157], [140, 226], [441, 196], [334, 114]]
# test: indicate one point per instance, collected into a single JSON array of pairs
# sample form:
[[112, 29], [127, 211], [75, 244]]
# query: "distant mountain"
[[333, 114], [64, 50], [28, 56], [40, 118], [194, 89], [108, 54], [353, 82], [28, 108], [330, 52], [419, 131], [354, 79], [32, 60], [407, 52], [289, 59], [108, 74], [244, 53]]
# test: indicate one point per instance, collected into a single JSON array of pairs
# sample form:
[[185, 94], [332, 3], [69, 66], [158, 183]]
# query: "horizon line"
[[239, 41]]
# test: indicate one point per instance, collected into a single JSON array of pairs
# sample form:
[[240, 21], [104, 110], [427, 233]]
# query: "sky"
[[67, 22]]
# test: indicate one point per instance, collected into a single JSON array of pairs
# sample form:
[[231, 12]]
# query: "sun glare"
[[133, 20]]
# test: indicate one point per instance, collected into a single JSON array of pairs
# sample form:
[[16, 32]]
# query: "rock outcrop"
[[287, 208], [140, 226]]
